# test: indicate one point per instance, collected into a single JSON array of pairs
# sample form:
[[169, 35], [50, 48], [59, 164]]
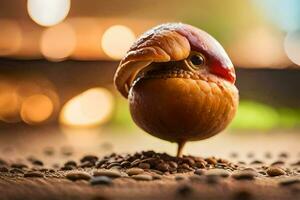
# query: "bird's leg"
[[180, 148]]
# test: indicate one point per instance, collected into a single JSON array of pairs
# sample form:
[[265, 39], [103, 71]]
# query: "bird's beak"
[[225, 71]]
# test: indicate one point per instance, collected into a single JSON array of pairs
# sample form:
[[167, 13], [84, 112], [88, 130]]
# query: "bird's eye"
[[196, 59]]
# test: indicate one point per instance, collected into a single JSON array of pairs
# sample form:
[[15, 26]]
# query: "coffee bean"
[[70, 163], [179, 178], [189, 161], [125, 164], [135, 162], [233, 155], [144, 165], [275, 171], [68, 167], [100, 180], [134, 171], [3, 162], [279, 162], [67, 151], [268, 155], [250, 155], [49, 151], [89, 158], [199, 171], [156, 176], [16, 171], [184, 191], [115, 164], [173, 164], [200, 164], [254, 162], [87, 164], [243, 175], [211, 160], [3, 169], [217, 172], [34, 174], [242, 195], [37, 162], [107, 172], [19, 165], [142, 177], [283, 155], [78, 175], [289, 181], [296, 163], [162, 167]]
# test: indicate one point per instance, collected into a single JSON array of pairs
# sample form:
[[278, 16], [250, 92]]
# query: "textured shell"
[[164, 43]]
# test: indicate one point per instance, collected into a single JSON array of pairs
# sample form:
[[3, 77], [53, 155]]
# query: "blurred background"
[[58, 58]]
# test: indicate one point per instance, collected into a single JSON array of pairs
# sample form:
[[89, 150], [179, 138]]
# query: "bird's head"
[[174, 50]]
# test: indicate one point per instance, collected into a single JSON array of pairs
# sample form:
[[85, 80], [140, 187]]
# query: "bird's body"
[[180, 84]]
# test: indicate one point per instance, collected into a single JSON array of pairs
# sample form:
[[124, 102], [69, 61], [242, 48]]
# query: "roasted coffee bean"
[[179, 178], [296, 163], [101, 180], [184, 191], [283, 155], [200, 164], [16, 171], [162, 167], [199, 171], [211, 160], [78, 175], [134, 171], [189, 161], [125, 164], [89, 158], [185, 166], [268, 155], [173, 164], [275, 171], [135, 162], [254, 162], [142, 177], [279, 162], [19, 165], [250, 155], [70, 163], [115, 164], [37, 162], [67, 151], [144, 165], [87, 164], [68, 167], [233, 155], [217, 172], [34, 174], [243, 175], [107, 172], [49, 151], [289, 181], [3, 169]]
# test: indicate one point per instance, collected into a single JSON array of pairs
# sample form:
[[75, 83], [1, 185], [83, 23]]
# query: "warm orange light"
[[36, 109], [58, 42], [48, 12], [10, 37], [92, 107], [116, 40]]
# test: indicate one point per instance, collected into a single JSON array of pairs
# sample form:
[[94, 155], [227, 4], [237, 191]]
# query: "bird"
[[180, 84]]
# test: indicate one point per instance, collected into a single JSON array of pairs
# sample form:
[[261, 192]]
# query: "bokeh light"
[[292, 46], [117, 40], [92, 107], [9, 102], [48, 12], [58, 42], [10, 37], [36, 109]]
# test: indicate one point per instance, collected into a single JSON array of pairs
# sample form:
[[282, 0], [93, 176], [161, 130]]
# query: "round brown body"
[[180, 109]]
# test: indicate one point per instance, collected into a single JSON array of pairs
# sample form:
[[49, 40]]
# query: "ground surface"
[[45, 164]]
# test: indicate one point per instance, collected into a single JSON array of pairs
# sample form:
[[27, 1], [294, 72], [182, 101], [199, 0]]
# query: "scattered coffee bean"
[[78, 175], [3, 169], [184, 191], [142, 177], [255, 162], [233, 155], [70, 163], [289, 181], [296, 163], [37, 162], [107, 172], [16, 171], [89, 158], [199, 171], [275, 171], [125, 164], [279, 162], [162, 167], [283, 155], [243, 175], [134, 171], [49, 151], [68, 167], [217, 172], [67, 151], [34, 174], [19, 165], [100, 180], [144, 165], [211, 160], [268, 155]]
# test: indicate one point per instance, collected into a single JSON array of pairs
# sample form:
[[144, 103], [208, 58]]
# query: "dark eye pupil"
[[197, 60]]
